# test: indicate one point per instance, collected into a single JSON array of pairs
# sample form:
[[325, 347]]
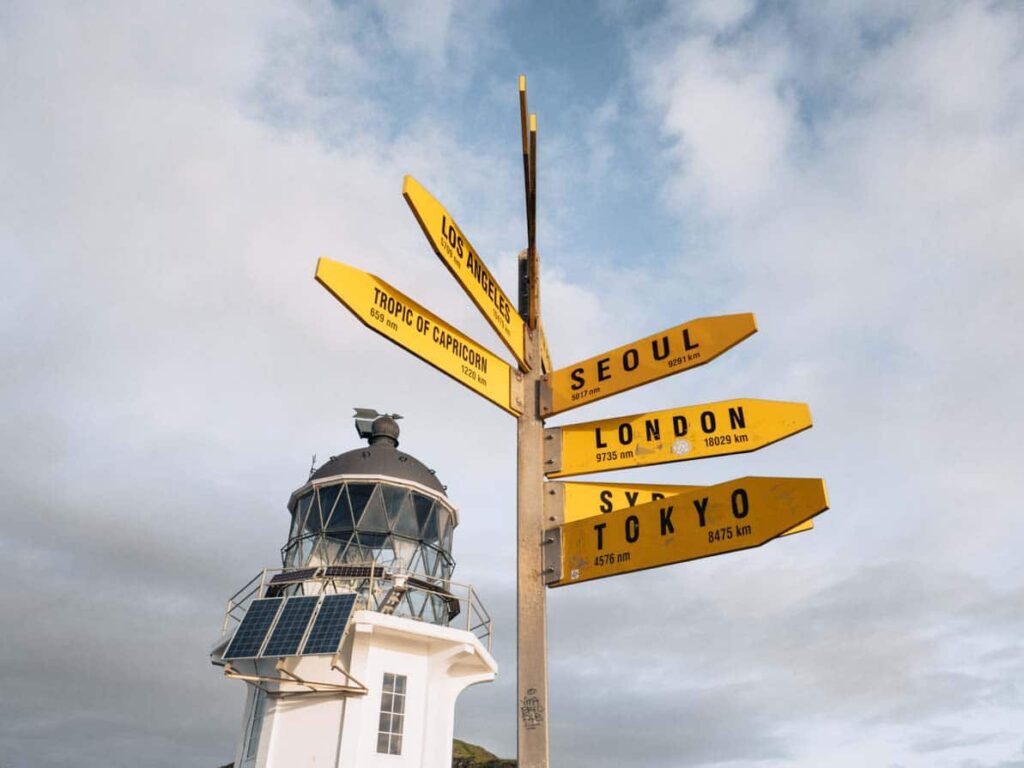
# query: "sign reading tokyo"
[[707, 521], [392, 314], [565, 502], [676, 434], [462, 260], [645, 360]]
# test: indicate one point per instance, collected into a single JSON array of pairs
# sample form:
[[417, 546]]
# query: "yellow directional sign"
[[466, 266], [645, 360], [707, 521], [395, 316], [676, 434], [545, 354], [565, 502]]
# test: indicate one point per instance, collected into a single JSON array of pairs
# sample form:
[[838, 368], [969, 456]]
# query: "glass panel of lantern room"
[[374, 517], [305, 546], [331, 551], [430, 532], [359, 494], [341, 517], [444, 520], [385, 553], [404, 523], [422, 504], [299, 519], [393, 498], [328, 498], [405, 552], [429, 560]]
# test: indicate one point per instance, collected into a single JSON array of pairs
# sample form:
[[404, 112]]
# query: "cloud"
[[850, 173]]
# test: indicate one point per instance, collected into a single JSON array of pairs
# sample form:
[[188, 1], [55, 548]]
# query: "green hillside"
[[465, 755]]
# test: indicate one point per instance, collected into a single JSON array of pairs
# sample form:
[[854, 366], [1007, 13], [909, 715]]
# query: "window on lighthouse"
[[392, 715]]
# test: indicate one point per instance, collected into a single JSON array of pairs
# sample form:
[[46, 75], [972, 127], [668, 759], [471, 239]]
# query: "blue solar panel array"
[[253, 630], [325, 636], [291, 626]]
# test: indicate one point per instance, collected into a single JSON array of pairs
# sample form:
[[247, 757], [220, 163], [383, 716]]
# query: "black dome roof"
[[381, 458]]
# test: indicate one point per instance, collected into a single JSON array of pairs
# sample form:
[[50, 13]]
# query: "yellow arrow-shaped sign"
[[392, 314], [707, 521], [676, 434], [566, 502], [466, 266], [645, 360]]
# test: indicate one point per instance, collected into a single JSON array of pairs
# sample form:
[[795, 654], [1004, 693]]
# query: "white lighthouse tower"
[[354, 652]]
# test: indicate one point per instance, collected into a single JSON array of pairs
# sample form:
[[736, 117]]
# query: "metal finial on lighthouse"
[[365, 417]]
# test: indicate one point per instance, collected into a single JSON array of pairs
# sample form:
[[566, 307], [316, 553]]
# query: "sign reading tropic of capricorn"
[[571, 532]]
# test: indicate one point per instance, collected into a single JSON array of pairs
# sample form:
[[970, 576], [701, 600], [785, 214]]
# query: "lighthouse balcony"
[[375, 587]]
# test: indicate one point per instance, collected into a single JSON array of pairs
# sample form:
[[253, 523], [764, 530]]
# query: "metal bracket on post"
[[552, 448], [554, 504], [515, 386], [544, 401], [552, 555]]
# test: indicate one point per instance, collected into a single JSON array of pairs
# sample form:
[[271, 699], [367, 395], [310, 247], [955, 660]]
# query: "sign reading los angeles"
[[454, 249], [676, 434], [706, 521], [392, 314], [671, 351], [566, 502]]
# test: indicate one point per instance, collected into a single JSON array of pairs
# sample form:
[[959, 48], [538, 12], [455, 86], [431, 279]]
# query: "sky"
[[851, 172]]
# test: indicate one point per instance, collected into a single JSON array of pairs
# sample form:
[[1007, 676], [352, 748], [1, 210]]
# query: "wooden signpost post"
[[571, 532]]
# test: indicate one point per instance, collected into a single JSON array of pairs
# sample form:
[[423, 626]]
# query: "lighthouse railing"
[[462, 606]]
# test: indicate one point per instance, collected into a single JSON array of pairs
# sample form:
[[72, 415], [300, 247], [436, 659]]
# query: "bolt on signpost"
[[569, 532]]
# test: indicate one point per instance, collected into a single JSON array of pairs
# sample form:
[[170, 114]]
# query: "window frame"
[[391, 724]]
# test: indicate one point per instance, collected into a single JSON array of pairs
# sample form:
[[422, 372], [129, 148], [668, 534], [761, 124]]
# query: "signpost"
[[392, 314], [570, 532], [708, 521], [566, 502], [654, 357], [676, 434]]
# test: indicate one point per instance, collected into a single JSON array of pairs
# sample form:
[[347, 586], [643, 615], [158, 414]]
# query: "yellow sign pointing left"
[[395, 316], [462, 260]]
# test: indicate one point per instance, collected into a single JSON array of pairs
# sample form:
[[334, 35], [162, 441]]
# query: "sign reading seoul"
[[392, 314], [565, 502], [707, 521], [466, 266], [676, 434], [649, 359]]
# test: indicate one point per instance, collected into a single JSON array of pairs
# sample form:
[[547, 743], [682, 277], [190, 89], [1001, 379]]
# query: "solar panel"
[[291, 577], [254, 627], [349, 571], [288, 632], [330, 623]]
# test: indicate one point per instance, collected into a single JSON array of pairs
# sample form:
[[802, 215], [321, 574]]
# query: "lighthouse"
[[354, 651]]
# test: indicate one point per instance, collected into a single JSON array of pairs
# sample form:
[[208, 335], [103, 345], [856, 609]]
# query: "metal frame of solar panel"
[[291, 626], [329, 625], [253, 629]]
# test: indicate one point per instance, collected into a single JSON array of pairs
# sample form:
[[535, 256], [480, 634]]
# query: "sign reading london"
[[676, 434], [645, 360], [565, 502], [462, 260], [395, 316], [706, 521]]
